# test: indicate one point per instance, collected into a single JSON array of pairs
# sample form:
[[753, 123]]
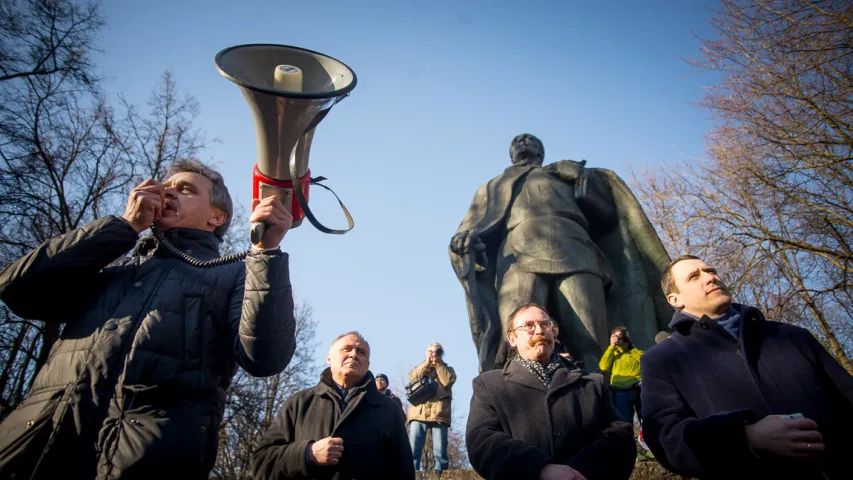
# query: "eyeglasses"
[[530, 326]]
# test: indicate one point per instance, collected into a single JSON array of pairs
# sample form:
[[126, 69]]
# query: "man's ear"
[[510, 337], [217, 218], [675, 301]]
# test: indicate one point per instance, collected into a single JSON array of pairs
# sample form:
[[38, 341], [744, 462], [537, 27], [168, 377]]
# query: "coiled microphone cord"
[[216, 262]]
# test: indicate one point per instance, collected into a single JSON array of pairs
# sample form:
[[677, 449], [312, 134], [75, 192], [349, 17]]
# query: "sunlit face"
[[532, 334], [188, 204], [349, 358], [699, 290]]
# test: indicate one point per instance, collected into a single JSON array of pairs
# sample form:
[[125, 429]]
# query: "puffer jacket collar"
[[200, 244]]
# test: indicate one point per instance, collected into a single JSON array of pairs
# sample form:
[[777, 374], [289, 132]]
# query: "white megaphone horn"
[[290, 90]]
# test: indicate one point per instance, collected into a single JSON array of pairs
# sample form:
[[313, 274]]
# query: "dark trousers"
[[627, 402]]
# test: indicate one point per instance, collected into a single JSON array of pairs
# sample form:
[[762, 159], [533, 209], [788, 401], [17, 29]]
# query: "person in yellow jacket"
[[622, 360], [435, 413]]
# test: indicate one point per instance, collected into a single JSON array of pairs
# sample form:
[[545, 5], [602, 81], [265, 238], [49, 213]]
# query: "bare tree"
[[61, 162], [166, 131], [774, 203], [253, 402], [66, 158], [45, 38]]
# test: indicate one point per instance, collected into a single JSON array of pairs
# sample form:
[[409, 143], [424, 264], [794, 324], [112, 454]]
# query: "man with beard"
[[343, 428], [135, 385], [732, 395], [544, 418]]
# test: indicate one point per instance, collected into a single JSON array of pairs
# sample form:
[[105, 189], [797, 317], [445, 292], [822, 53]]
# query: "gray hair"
[[219, 196], [347, 334]]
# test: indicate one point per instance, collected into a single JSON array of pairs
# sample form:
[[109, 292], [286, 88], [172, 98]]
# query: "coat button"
[[82, 387], [203, 429], [558, 434], [137, 284], [110, 326], [704, 326], [30, 424], [135, 422]]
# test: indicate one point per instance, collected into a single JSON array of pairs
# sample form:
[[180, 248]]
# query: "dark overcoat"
[[370, 424], [702, 386], [516, 425]]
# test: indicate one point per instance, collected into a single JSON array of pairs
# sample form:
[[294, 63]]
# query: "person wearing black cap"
[[382, 386]]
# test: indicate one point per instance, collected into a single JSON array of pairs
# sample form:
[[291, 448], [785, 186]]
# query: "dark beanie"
[[382, 375]]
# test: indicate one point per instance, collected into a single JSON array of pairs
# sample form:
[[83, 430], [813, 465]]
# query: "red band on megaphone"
[[296, 208]]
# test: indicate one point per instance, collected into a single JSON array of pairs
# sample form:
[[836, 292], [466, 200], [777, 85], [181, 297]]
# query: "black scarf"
[[544, 373]]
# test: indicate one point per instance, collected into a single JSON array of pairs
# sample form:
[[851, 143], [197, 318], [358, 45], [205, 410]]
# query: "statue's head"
[[526, 149]]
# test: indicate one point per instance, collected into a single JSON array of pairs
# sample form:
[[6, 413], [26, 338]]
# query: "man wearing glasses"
[[541, 417]]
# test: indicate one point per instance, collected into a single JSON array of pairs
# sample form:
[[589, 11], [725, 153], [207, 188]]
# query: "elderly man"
[[542, 417], [343, 428], [433, 414], [134, 386], [732, 395]]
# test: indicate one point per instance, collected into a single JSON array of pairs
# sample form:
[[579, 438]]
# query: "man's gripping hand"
[[327, 451], [145, 204], [278, 219]]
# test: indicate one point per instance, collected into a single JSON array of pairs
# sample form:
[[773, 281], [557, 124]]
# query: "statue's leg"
[[516, 288], [582, 311]]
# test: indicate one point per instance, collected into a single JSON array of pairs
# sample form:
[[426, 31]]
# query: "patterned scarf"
[[544, 374]]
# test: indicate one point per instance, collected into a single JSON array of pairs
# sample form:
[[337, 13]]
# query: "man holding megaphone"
[[135, 385]]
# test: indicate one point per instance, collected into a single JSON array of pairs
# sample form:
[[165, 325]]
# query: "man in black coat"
[[543, 418], [135, 385], [731, 395], [342, 429]]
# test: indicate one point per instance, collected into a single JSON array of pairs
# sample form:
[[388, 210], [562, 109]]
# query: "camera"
[[623, 335]]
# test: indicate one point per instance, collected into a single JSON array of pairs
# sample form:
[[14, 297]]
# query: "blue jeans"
[[626, 401], [417, 437]]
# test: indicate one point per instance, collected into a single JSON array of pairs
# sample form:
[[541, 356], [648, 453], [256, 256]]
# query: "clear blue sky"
[[443, 87]]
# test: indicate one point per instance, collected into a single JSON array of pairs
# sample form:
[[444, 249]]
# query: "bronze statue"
[[562, 235]]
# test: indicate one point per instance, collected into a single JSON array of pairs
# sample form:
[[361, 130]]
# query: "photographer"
[[435, 413], [622, 360]]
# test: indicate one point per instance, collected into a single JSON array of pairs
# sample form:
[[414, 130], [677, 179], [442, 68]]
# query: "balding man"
[[343, 428]]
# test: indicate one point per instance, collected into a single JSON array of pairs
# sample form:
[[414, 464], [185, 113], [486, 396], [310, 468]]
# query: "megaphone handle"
[[307, 211], [256, 232]]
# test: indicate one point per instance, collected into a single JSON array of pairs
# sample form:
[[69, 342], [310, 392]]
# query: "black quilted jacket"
[[135, 386]]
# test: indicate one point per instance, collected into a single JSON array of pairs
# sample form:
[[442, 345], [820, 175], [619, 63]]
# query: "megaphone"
[[290, 90]]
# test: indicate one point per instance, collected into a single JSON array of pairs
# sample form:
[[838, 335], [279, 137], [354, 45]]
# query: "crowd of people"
[[135, 386]]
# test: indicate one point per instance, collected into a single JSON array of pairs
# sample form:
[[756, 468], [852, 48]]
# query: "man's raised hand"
[[278, 219], [145, 204]]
